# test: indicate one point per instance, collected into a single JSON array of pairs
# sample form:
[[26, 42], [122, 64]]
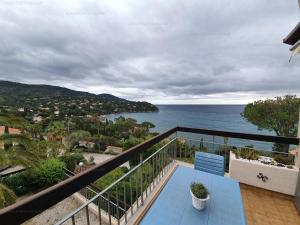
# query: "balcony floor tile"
[[263, 207]]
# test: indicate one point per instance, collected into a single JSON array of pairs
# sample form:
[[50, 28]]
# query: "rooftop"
[[293, 36]]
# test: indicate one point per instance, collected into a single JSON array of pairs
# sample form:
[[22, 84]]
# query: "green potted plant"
[[200, 195]]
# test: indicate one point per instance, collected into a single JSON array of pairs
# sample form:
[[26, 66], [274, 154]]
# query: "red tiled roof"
[[14, 131], [2, 130], [293, 151]]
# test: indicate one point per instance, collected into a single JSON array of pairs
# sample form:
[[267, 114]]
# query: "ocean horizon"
[[215, 117]]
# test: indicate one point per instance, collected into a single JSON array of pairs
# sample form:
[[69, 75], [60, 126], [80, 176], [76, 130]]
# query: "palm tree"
[[14, 157], [35, 130], [9, 120], [20, 154], [7, 196], [57, 129]]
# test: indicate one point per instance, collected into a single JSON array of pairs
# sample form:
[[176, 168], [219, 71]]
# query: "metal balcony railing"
[[134, 187], [137, 184]]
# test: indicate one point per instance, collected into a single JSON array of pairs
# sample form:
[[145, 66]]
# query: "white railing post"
[[297, 158], [297, 163]]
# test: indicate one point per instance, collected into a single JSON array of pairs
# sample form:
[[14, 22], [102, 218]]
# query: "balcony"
[[132, 198]]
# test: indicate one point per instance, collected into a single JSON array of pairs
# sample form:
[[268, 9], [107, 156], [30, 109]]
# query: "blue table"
[[174, 205]]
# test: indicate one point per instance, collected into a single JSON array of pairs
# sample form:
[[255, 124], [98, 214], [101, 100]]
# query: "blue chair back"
[[209, 163]]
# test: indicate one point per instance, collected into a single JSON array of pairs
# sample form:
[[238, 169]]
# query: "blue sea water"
[[217, 117]]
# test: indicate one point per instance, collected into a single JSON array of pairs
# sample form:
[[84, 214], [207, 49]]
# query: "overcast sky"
[[167, 51]]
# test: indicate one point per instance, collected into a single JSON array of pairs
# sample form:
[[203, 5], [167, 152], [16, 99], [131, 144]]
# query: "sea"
[[216, 117]]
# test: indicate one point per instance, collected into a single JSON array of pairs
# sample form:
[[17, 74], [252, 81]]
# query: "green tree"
[[71, 160], [50, 172], [147, 125], [9, 120], [130, 142], [109, 178], [18, 151], [279, 115], [76, 136], [21, 183], [14, 157], [57, 129], [35, 130]]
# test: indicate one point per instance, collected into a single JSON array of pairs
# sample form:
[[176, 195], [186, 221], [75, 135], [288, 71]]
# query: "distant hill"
[[46, 100], [18, 89]]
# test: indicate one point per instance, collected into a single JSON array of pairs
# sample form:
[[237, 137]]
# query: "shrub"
[[247, 153], [50, 172], [92, 160], [71, 160], [199, 190], [21, 183], [7, 196], [109, 178], [286, 160], [79, 158]]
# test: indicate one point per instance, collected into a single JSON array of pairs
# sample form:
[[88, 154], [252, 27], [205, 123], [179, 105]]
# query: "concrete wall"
[[280, 179], [297, 162]]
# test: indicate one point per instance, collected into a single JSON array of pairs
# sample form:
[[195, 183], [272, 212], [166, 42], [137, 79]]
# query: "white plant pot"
[[199, 203]]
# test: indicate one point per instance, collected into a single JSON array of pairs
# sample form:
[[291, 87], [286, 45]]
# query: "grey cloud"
[[142, 49]]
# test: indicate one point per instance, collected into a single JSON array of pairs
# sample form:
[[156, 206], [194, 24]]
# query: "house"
[[42, 109], [293, 152], [113, 150], [37, 119], [2, 130], [10, 131], [86, 144], [14, 131], [293, 39], [50, 137]]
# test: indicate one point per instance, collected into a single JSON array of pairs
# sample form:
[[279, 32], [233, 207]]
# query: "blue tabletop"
[[174, 203]]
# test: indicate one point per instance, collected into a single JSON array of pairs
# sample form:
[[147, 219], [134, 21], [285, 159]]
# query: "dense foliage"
[[247, 153], [285, 160], [47, 128], [128, 188], [110, 177], [12, 121], [39, 141], [279, 115], [7, 197], [50, 172], [22, 183], [52, 101], [71, 160], [46, 148]]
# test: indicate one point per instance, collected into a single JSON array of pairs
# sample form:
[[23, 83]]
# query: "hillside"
[[46, 101]]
